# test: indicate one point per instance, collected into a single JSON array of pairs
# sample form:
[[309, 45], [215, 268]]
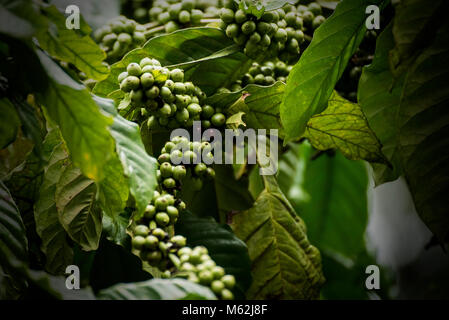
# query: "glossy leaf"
[[379, 95], [423, 134], [138, 166], [70, 46], [336, 211], [313, 78], [209, 58], [83, 127]]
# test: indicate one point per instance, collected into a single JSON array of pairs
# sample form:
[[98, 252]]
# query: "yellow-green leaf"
[[343, 126]]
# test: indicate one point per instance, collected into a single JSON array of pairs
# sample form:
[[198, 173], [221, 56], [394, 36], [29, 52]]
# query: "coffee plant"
[[110, 144]]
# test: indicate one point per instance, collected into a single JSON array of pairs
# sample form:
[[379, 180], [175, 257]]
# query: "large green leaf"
[[414, 28], [138, 166], [9, 123], [413, 120], [336, 211], [113, 189], [209, 57], [55, 244], [12, 233], [423, 134], [312, 80], [157, 289], [260, 105], [379, 94], [70, 46], [224, 247], [83, 127], [343, 126], [79, 213], [284, 264]]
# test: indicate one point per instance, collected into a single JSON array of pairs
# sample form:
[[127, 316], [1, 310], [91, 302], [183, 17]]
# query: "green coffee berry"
[[138, 242], [134, 69], [141, 230]]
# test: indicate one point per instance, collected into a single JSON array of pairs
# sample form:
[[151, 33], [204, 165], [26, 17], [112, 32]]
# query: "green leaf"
[[78, 211], [9, 123], [413, 30], [55, 245], [113, 190], [190, 46], [313, 78], [138, 166], [343, 126], [284, 264], [69, 46], [260, 105], [209, 58], [336, 211], [12, 235], [157, 289], [83, 127], [423, 133], [379, 95], [224, 247], [292, 170]]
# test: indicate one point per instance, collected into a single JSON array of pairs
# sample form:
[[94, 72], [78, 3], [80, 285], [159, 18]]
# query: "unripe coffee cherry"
[[248, 27], [227, 15], [150, 211], [138, 242], [130, 83], [232, 30], [134, 69], [218, 119], [151, 242], [162, 219], [141, 230]]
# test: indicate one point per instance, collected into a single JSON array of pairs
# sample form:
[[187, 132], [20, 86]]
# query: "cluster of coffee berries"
[[311, 15], [176, 14], [180, 157], [163, 210], [118, 37], [154, 245], [265, 75], [267, 33], [163, 98], [197, 266]]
